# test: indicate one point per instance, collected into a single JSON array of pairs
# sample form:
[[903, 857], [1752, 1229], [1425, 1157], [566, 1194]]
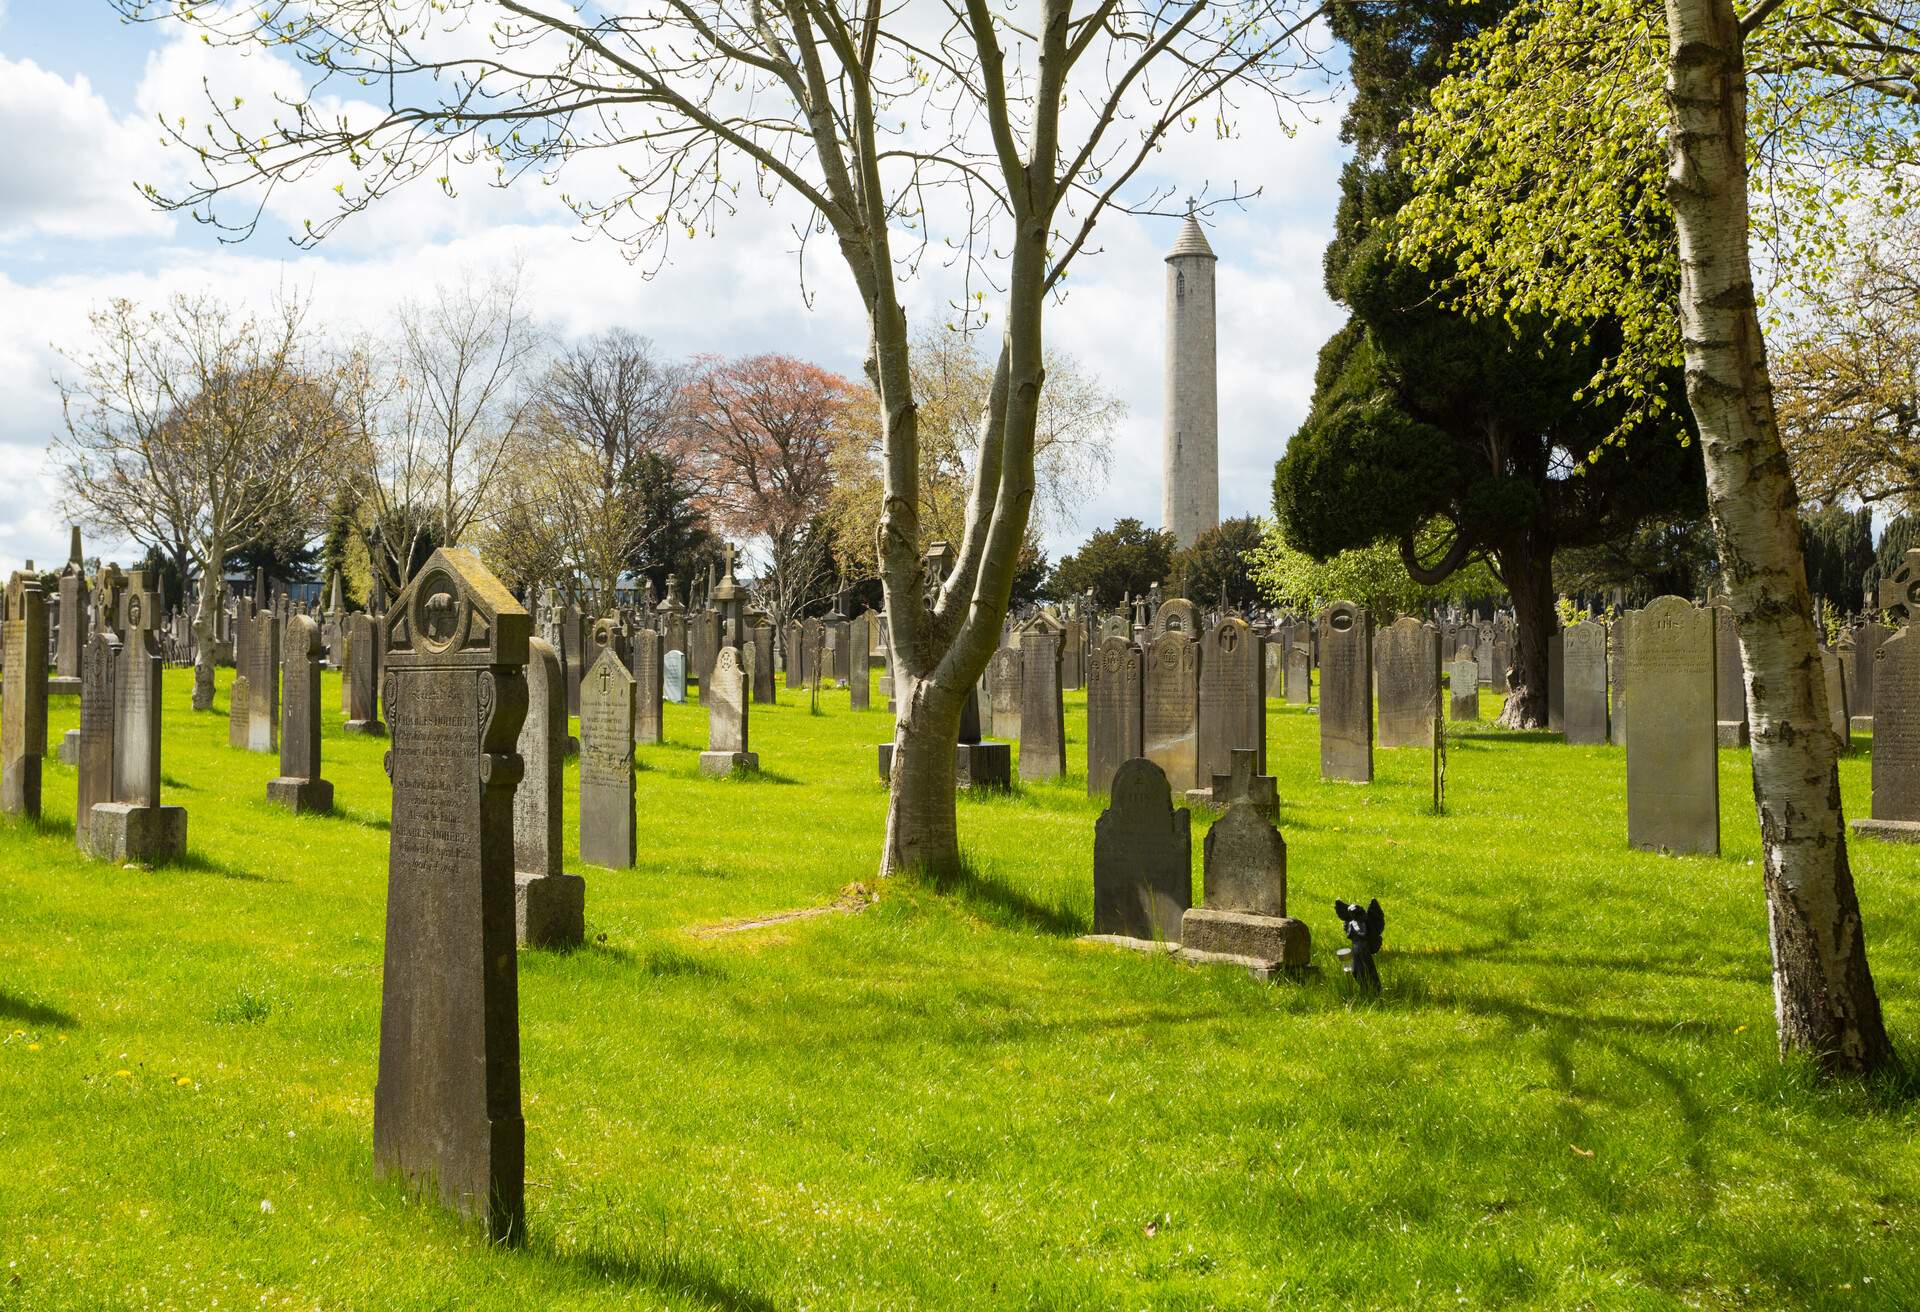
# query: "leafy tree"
[[1217, 565], [1114, 563], [1375, 576], [1427, 422], [1839, 547], [1658, 557]]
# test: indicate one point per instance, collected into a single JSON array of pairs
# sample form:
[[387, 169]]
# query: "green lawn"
[[1569, 1095]]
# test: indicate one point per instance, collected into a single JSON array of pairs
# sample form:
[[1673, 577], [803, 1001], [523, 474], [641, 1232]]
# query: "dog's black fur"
[[1364, 926]]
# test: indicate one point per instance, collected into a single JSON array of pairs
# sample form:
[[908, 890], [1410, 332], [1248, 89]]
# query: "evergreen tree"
[[1115, 563]]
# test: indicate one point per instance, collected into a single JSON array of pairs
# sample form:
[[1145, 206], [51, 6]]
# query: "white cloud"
[[70, 164]]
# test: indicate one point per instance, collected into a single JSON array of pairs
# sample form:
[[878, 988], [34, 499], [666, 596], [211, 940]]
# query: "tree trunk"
[[1824, 997], [1526, 566], [923, 835], [203, 639]]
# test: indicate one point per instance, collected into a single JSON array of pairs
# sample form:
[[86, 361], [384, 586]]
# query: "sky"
[[79, 96]]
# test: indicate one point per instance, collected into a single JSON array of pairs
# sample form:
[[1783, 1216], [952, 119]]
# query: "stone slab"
[[549, 911], [1888, 831], [721, 764], [301, 796], [1280, 940], [1731, 733], [147, 835]]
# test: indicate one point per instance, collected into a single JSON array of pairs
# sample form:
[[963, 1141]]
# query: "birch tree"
[[1579, 127], [994, 138]]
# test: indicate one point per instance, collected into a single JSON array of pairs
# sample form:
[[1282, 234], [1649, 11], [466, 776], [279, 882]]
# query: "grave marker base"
[[371, 728], [1733, 733], [63, 686], [549, 911], [721, 764], [301, 796], [146, 835], [1888, 831], [975, 765], [1280, 940]]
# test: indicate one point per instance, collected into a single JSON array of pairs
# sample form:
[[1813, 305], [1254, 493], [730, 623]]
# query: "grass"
[[1569, 1095]]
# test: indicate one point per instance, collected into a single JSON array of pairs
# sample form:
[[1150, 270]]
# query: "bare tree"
[[955, 128], [438, 407], [198, 430]]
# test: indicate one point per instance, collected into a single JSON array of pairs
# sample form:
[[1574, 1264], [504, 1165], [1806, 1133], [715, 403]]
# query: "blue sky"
[[78, 94]]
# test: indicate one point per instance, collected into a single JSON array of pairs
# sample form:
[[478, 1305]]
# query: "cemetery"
[[544, 775]]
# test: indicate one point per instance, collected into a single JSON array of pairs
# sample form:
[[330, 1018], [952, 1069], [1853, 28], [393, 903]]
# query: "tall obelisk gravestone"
[[1190, 490], [446, 1110], [23, 721]]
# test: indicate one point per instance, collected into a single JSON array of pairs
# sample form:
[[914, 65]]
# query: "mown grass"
[[1568, 1096]]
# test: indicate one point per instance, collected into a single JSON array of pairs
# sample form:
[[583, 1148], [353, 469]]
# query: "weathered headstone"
[[134, 827], [703, 639], [1176, 615], [1584, 699], [99, 669], [1114, 707], [1244, 911], [728, 711], [1232, 699], [446, 1109], [673, 677], [1463, 685], [1243, 782], [1483, 654], [649, 688], [1043, 720], [1729, 681], [765, 690], [263, 683], [1003, 685], [1142, 854], [1867, 638], [1673, 762], [1171, 709], [361, 679], [1346, 693], [300, 788], [1299, 659], [1407, 654], [1556, 682], [23, 704], [795, 639], [1837, 711], [1896, 740], [72, 603], [607, 836], [1617, 676], [549, 905], [859, 664]]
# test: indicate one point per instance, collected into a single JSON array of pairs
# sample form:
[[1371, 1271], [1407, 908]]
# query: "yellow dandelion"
[[122, 1073], [184, 1080], [33, 1047]]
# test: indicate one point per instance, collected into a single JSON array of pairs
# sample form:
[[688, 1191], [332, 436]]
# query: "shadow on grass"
[[201, 864], [29, 1012], [984, 892], [667, 1272]]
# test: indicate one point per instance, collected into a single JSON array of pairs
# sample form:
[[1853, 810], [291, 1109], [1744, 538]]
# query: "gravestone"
[[1176, 615], [1299, 665], [1073, 656], [446, 1108], [1232, 699], [263, 683], [1273, 655], [1837, 713], [1170, 712], [649, 688], [795, 636], [1729, 681], [1142, 854], [134, 826], [1463, 683], [1583, 660], [1043, 717], [239, 713], [23, 703], [549, 905], [1244, 911], [1867, 637], [859, 663], [72, 603], [1003, 687], [1346, 693], [673, 677], [1896, 740], [1490, 677], [703, 638], [300, 789], [1673, 762], [1115, 687], [728, 743], [1407, 654], [765, 690], [607, 836], [1617, 676], [361, 679], [99, 669], [1243, 782]]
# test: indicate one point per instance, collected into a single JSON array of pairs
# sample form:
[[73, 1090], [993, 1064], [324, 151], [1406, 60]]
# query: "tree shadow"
[[29, 1012], [200, 863], [989, 894], [666, 1272]]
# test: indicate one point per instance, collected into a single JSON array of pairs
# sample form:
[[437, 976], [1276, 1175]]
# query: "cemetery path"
[[853, 898]]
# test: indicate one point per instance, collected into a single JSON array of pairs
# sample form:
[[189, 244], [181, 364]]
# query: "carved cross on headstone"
[[139, 606]]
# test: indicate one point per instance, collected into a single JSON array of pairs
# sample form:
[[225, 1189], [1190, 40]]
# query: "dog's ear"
[[1376, 918]]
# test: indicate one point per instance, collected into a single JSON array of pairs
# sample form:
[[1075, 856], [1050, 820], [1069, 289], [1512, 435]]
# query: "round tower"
[[1190, 491]]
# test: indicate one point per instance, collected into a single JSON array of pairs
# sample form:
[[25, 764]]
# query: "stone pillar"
[[300, 788]]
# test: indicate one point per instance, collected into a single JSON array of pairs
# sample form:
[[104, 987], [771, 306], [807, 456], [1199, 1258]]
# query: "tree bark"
[[922, 819], [1526, 566], [204, 637], [1824, 997]]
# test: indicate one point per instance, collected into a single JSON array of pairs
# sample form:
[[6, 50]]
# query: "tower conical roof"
[[1191, 241]]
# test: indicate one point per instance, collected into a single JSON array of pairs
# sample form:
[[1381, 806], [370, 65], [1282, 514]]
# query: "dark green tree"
[[1214, 568], [1115, 563], [1902, 535], [1423, 419], [1838, 546]]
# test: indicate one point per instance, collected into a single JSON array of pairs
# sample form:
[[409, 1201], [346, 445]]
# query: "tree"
[[1115, 564], [437, 409], [1218, 565], [1375, 576], [1565, 103], [198, 430], [1426, 421], [607, 426], [1839, 548], [1659, 557], [1025, 135], [765, 428]]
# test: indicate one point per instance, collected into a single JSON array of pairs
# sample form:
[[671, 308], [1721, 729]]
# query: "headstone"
[[1837, 711], [361, 679], [1407, 654], [549, 905], [1245, 894], [1232, 699], [607, 835], [1003, 686], [1073, 656], [1142, 854], [1583, 660], [263, 683], [300, 788], [1729, 680], [765, 691], [1243, 782], [1273, 654], [1176, 615], [239, 713], [1556, 682], [1299, 665], [1170, 716], [99, 667], [23, 703], [72, 613], [1115, 732], [1346, 693], [134, 826], [1463, 683], [1043, 720], [703, 639], [1483, 657], [446, 1109], [649, 688], [673, 677], [795, 636], [1617, 676], [859, 664], [728, 742], [1673, 765], [1896, 740], [1867, 638]]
